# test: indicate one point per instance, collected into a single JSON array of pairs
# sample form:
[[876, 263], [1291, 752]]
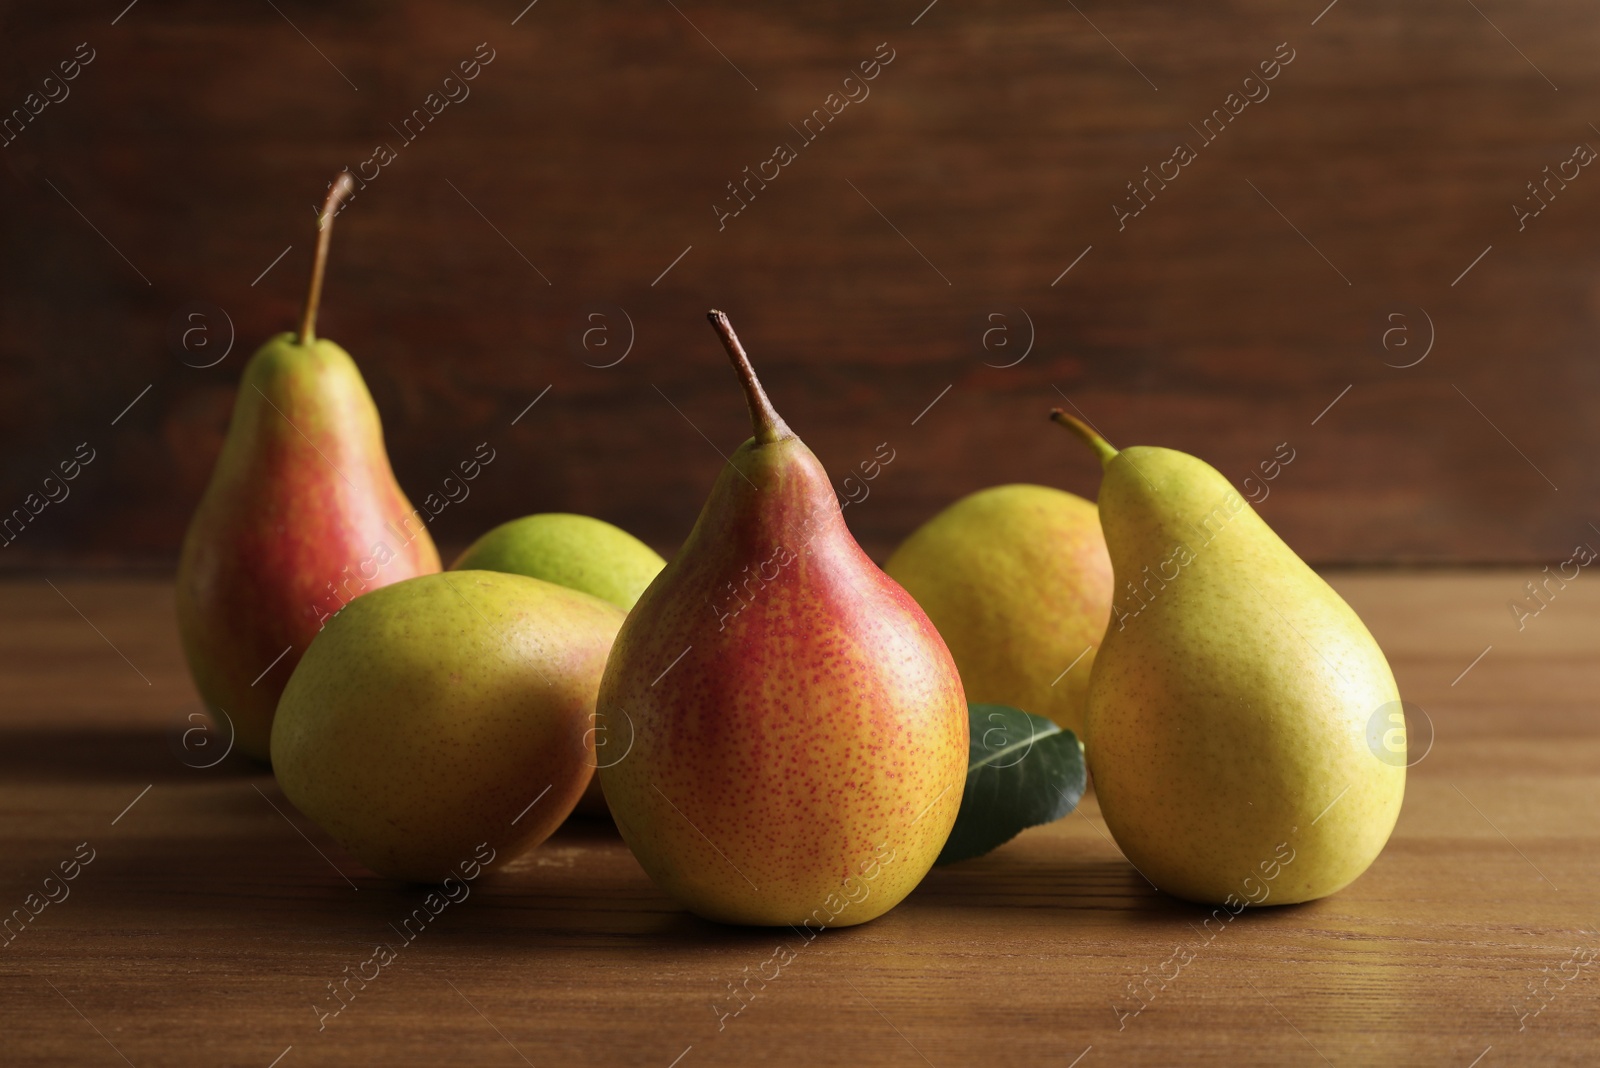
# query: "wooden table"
[[213, 916]]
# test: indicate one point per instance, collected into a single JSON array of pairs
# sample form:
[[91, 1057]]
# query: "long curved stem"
[[338, 193], [1090, 436], [769, 425]]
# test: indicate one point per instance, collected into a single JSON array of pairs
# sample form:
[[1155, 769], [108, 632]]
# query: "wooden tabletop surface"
[[206, 917]]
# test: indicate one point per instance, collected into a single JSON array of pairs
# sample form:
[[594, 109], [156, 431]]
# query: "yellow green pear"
[[1231, 704], [442, 712], [581, 553], [1018, 582], [576, 551]]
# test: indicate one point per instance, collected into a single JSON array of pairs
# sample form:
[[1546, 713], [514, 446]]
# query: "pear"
[[798, 729], [1018, 582], [443, 712], [1229, 707], [302, 514], [576, 551]]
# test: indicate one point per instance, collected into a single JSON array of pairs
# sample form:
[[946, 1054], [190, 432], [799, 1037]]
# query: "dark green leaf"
[[1022, 770]]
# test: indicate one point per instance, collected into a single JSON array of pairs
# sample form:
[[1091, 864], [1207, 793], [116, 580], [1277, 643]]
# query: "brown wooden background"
[[596, 142]]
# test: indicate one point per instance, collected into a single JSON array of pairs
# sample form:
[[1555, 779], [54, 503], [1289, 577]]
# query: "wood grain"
[[213, 915], [1223, 319]]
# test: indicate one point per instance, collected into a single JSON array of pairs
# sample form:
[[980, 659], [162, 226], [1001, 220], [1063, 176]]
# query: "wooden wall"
[[1253, 291]]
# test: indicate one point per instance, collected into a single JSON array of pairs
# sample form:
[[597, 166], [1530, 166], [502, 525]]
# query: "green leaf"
[[1022, 770]]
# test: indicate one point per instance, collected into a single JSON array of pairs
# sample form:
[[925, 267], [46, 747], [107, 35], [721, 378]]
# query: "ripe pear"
[[302, 514], [576, 551], [799, 731], [1018, 582], [1230, 703], [442, 712]]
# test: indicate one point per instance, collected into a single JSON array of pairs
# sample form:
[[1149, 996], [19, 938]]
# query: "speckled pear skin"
[[1018, 582], [1228, 715], [803, 762], [427, 715], [302, 513]]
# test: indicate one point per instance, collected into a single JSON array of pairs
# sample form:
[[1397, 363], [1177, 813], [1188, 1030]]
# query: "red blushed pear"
[[302, 514], [791, 730]]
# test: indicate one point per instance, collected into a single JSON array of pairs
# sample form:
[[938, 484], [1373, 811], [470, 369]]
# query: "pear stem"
[[1090, 436], [338, 193], [768, 424]]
